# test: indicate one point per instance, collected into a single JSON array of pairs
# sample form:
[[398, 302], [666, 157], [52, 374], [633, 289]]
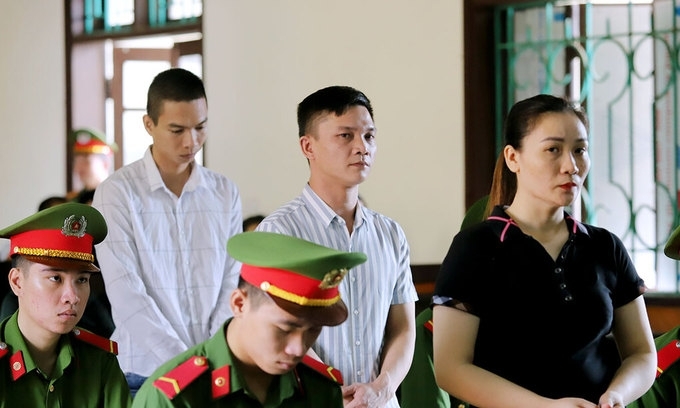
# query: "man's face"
[[51, 301], [180, 132], [273, 339], [91, 169], [341, 149]]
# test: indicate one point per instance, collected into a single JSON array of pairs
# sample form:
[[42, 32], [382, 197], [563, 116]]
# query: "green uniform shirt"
[[419, 388], [218, 382], [665, 391], [84, 375]]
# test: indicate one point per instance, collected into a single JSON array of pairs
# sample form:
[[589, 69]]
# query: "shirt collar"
[[325, 213], [220, 355], [15, 340], [506, 228], [156, 181]]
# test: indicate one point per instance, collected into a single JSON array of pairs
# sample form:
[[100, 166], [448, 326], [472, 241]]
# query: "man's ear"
[[16, 281], [148, 124], [307, 147], [238, 301]]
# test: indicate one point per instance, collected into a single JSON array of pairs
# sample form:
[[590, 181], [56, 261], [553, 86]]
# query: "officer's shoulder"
[[4, 349], [668, 349], [96, 340], [315, 366], [178, 378]]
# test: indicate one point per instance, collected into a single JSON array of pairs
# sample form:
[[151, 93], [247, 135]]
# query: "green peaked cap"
[[62, 236], [53, 219], [672, 248], [271, 250], [88, 140]]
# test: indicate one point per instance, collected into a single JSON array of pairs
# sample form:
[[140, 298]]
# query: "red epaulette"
[[429, 325], [96, 340], [326, 370], [221, 381], [179, 377], [668, 355], [18, 365], [4, 349]]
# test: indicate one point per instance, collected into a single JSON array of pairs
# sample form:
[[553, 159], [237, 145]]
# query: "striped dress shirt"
[[368, 290]]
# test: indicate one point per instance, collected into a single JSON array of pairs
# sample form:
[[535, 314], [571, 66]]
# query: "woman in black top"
[[535, 302]]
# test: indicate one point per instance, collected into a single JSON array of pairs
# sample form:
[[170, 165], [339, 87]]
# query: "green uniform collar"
[[219, 352], [12, 336]]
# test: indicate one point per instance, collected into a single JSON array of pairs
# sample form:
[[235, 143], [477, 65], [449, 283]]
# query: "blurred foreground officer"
[[288, 290], [665, 391], [45, 361]]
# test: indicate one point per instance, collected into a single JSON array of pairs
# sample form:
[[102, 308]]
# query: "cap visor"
[[65, 264], [672, 248], [317, 315]]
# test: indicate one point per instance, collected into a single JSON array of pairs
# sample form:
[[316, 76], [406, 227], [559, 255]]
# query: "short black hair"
[[257, 296], [335, 99], [252, 220], [174, 84], [51, 202]]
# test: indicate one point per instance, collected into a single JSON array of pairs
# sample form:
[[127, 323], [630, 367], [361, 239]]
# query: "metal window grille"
[[621, 61]]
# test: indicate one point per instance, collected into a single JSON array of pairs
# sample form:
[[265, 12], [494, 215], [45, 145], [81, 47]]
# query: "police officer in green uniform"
[[45, 360], [419, 388], [665, 391], [287, 291]]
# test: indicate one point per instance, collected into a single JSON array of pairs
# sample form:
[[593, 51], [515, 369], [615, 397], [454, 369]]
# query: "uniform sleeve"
[[232, 268], [120, 264], [419, 388], [116, 393], [149, 396]]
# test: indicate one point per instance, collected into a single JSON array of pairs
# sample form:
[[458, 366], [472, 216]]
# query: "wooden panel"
[[663, 311]]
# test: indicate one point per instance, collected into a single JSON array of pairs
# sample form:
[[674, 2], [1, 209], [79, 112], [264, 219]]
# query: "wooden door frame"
[[479, 95]]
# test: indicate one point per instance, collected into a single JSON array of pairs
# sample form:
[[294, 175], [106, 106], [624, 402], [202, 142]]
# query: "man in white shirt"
[[165, 264], [374, 347]]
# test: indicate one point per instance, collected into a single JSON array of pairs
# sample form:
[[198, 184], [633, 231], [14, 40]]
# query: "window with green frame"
[[620, 61]]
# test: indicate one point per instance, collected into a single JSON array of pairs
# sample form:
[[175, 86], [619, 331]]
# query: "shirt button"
[[568, 298], [563, 285], [352, 278], [558, 270], [51, 388], [359, 373], [356, 311], [357, 343]]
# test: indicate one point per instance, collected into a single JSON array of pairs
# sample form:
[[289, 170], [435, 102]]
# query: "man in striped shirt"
[[374, 347]]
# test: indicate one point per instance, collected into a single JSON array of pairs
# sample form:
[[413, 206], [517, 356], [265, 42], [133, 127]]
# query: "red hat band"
[[92, 149], [290, 286], [52, 243]]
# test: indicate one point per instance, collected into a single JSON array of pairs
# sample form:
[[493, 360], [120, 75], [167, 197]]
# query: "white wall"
[[261, 58], [32, 106]]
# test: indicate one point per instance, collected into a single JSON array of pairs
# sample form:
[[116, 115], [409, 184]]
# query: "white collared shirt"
[[164, 261]]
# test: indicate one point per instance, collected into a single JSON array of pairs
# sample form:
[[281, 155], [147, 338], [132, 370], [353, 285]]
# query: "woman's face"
[[552, 161]]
